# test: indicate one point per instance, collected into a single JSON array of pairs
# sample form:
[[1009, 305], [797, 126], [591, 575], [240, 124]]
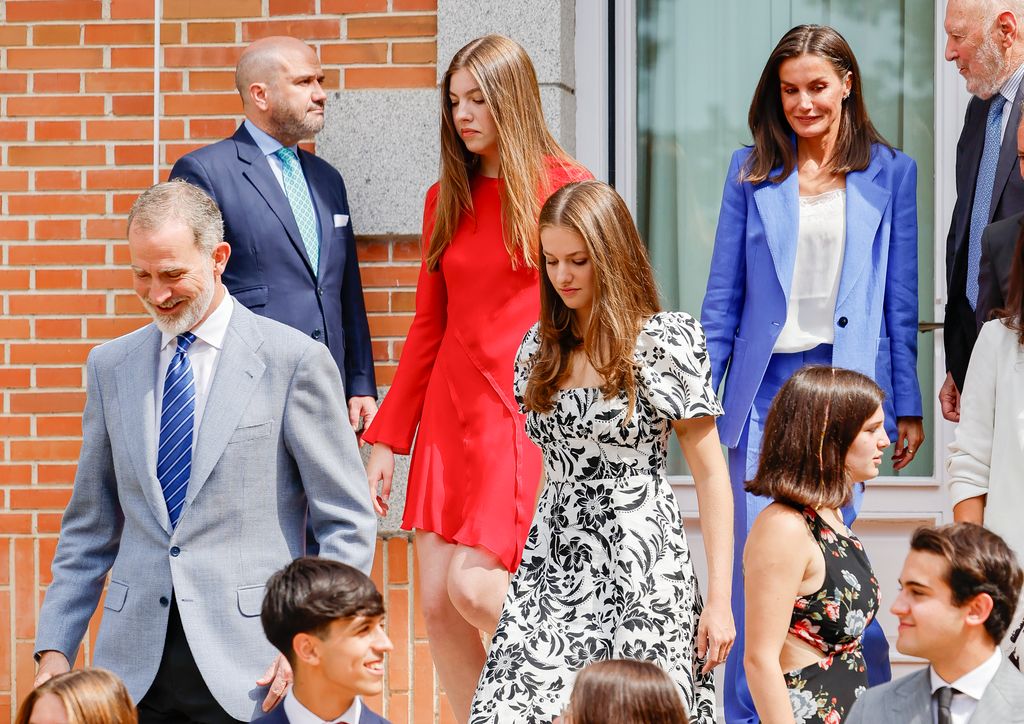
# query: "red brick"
[[58, 180], [119, 179], [407, 5], [13, 131], [332, 79], [13, 82], [13, 180], [123, 202], [389, 276], [13, 230], [211, 80], [37, 155], [111, 327], [45, 449], [55, 426], [12, 35], [32, 58], [15, 426], [47, 402], [212, 32], [306, 29], [57, 130], [353, 6], [120, 34], [6, 679], [128, 304], [12, 378], [57, 34], [131, 9], [349, 53], [59, 279], [398, 560], [57, 329], [24, 585], [108, 279], [119, 82], [15, 475], [422, 694], [379, 349], [392, 26], [44, 10], [376, 301], [59, 376], [204, 104], [389, 326], [403, 301], [34, 498], [385, 374], [54, 353], [55, 106], [174, 151], [204, 9], [131, 57], [52, 304], [5, 569], [122, 254], [58, 229], [170, 33], [292, 7], [15, 329], [414, 53], [62, 204], [61, 254], [47, 549], [56, 473], [105, 228], [200, 56], [57, 83], [371, 249], [135, 155], [13, 523], [211, 127], [393, 77]]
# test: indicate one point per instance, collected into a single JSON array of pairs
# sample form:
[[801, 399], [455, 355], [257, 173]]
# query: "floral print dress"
[[833, 620], [606, 572]]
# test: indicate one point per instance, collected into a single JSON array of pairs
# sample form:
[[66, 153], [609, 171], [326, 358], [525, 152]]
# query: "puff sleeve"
[[674, 371]]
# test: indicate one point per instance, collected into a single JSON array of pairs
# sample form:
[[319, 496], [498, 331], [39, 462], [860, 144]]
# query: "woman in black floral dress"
[[810, 591], [606, 573]]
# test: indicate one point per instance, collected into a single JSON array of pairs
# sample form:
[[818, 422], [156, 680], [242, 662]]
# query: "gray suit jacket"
[[273, 437], [909, 700]]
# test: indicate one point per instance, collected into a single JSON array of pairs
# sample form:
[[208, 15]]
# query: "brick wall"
[[76, 146]]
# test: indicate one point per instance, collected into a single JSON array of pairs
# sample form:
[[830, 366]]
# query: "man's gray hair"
[[184, 202], [993, 8]]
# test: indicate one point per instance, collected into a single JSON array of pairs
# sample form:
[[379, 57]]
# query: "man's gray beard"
[[988, 56], [287, 127], [188, 317]]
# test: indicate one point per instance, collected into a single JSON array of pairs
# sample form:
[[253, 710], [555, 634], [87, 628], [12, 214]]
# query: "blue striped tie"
[[302, 207], [983, 194], [174, 456]]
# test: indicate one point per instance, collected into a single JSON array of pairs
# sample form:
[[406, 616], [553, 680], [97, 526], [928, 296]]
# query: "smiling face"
[[569, 268], [931, 625], [350, 656], [865, 453], [471, 115], [972, 42], [812, 95]]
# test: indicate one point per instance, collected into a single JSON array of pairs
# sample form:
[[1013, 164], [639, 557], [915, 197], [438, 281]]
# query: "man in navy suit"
[[327, 618], [286, 215]]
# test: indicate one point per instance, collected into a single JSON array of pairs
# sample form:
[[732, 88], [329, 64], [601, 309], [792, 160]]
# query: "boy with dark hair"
[[327, 618], [959, 587]]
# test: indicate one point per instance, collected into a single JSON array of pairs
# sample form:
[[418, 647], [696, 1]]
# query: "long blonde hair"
[[89, 696], [625, 295], [507, 81]]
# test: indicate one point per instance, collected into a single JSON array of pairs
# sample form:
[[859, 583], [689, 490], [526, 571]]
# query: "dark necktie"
[[177, 414], [944, 697]]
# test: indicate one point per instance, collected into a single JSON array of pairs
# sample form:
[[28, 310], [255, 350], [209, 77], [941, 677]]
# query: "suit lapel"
[[1003, 697], [239, 371], [323, 209], [778, 204], [256, 170], [136, 391], [914, 697], [865, 204], [1007, 153]]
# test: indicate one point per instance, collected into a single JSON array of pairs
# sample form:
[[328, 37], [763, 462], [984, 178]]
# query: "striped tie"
[[174, 456], [983, 194], [302, 207]]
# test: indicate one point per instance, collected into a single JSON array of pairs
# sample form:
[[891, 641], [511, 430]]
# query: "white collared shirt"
[[1009, 92], [269, 146], [203, 355], [971, 687], [298, 714]]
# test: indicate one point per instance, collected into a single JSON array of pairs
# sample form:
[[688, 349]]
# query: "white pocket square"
[[340, 220]]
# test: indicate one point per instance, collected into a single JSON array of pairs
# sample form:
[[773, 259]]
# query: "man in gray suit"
[[960, 585], [205, 436]]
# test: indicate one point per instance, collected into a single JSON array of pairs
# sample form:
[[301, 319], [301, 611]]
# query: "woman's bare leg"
[[477, 584]]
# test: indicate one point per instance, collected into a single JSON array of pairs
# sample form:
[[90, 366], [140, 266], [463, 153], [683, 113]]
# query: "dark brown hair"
[[309, 594], [773, 136], [812, 422], [625, 692], [1013, 313], [979, 562], [89, 696], [625, 295]]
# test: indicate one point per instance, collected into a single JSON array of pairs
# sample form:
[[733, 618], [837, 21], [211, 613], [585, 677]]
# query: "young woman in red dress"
[[474, 473]]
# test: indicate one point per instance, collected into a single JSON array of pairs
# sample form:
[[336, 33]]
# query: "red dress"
[[474, 473]]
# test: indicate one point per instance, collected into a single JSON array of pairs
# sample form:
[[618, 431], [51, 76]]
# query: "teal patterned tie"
[[302, 207]]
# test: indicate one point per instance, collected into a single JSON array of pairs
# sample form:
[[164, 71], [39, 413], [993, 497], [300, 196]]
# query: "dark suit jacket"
[[269, 271], [998, 243], [277, 716], [961, 325]]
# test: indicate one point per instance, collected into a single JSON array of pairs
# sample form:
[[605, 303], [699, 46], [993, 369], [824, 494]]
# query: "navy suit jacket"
[[961, 322], [269, 271], [277, 716]]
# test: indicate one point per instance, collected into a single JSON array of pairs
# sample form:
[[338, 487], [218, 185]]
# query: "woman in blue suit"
[[815, 262]]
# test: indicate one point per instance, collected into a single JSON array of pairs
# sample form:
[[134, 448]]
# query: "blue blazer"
[[277, 716], [269, 271], [752, 272]]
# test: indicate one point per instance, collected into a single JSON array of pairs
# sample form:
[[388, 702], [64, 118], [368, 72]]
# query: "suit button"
[[317, 333], [843, 321], [175, 550], [164, 600], [320, 291]]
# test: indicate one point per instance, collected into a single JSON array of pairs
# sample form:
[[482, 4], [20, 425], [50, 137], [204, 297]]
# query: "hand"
[[715, 635], [279, 676], [379, 470], [361, 409], [51, 663], [949, 399], [909, 430]]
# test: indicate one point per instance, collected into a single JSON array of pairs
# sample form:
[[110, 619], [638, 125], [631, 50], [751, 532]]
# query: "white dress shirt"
[[298, 714], [1009, 92], [203, 354], [820, 246], [971, 687]]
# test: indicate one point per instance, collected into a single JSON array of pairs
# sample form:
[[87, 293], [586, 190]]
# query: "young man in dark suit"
[[327, 618]]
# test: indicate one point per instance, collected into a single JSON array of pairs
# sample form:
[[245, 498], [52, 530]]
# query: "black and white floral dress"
[[606, 572]]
